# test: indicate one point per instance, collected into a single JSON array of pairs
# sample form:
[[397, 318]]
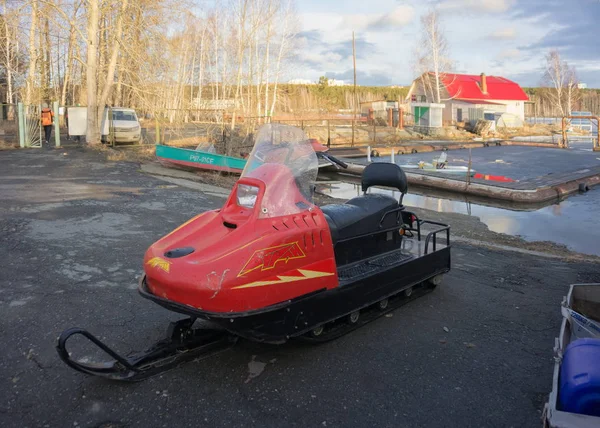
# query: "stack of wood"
[[483, 128]]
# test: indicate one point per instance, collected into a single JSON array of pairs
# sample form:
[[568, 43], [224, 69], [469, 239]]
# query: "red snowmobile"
[[271, 266]]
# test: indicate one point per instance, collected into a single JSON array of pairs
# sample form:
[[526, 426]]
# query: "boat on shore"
[[198, 159], [462, 170], [205, 158], [440, 165]]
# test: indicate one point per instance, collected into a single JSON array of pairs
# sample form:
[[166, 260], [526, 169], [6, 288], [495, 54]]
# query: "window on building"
[[423, 98]]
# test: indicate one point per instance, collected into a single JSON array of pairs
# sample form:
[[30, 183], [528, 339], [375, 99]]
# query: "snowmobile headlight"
[[246, 195]]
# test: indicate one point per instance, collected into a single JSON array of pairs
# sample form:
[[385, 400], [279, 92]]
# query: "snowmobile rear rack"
[[432, 236], [183, 343]]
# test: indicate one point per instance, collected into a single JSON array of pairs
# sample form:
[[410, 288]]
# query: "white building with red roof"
[[467, 97]]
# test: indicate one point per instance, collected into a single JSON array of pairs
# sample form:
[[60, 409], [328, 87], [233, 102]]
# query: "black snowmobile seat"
[[386, 175], [359, 216], [364, 214]]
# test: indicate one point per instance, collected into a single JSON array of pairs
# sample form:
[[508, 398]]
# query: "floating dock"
[[541, 174]]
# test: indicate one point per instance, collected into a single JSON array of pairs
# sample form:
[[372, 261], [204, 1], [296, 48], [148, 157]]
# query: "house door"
[[421, 116], [459, 117]]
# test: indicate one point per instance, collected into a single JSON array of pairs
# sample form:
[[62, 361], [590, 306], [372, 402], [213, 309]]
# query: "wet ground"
[[572, 222], [73, 230]]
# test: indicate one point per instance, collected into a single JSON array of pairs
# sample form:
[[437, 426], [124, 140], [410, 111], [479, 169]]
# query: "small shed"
[[427, 115], [377, 106], [508, 120]]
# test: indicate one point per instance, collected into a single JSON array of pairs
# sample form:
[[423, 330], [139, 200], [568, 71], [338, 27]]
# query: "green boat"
[[199, 160]]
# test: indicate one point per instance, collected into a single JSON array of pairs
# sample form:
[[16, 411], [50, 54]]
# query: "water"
[[573, 222]]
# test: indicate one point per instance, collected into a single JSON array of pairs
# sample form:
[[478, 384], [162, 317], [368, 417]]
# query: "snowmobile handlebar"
[[332, 159]]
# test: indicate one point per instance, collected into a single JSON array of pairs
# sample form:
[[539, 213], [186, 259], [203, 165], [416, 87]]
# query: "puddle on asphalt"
[[572, 222]]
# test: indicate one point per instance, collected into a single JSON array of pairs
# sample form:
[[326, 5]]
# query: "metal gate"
[[583, 124], [30, 126]]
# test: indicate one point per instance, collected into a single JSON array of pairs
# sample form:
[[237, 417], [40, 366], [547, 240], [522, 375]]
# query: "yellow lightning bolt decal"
[[159, 263], [307, 274]]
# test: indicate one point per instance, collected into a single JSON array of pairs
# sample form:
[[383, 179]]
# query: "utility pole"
[[354, 62]]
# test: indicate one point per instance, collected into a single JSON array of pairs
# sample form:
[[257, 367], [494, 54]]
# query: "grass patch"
[[219, 179], [138, 153], [528, 130], [116, 156], [187, 142], [8, 145]]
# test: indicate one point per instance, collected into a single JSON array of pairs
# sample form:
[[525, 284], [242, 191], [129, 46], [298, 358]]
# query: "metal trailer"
[[586, 295]]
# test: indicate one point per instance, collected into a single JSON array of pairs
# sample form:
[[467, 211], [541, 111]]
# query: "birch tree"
[[241, 13], [572, 93], [267, 56], [555, 76], [69, 58], [33, 55], [432, 56], [10, 53], [91, 75], [155, 55], [562, 81], [288, 31], [114, 54]]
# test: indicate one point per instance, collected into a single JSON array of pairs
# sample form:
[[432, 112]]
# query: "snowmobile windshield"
[[282, 150]]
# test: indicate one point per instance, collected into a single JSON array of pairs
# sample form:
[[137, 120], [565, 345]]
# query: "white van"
[[125, 125]]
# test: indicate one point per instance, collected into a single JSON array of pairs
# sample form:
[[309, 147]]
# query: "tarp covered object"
[[77, 117]]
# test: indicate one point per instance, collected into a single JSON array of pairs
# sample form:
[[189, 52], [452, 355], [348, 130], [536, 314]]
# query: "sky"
[[506, 38]]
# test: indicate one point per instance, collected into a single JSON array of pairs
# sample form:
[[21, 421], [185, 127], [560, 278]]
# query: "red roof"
[[467, 86]]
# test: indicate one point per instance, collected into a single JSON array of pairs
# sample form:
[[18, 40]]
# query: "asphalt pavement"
[[73, 230]]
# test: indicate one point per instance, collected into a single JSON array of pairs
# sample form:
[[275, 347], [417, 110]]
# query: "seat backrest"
[[384, 174]]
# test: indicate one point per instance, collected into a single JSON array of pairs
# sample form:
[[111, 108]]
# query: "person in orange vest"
[[47, 120]]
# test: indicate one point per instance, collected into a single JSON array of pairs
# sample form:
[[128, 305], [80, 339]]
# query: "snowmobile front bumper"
[[271, 324]]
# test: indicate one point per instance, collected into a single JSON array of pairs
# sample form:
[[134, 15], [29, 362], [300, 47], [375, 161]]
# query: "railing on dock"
[[564, 142]]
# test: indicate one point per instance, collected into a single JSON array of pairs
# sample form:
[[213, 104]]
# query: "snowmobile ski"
[[183, 343]]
